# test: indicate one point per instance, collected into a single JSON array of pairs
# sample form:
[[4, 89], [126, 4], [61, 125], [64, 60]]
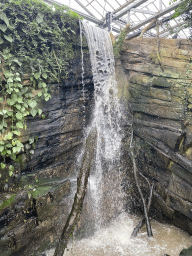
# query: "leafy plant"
[[36, 45], [184, 10], [117, 47]]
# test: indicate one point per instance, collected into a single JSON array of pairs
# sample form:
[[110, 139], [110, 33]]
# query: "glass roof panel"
[[139, 13]]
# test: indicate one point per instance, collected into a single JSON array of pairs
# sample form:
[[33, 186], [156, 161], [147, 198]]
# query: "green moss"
[[117, 47], [41, 191], [7, 202]]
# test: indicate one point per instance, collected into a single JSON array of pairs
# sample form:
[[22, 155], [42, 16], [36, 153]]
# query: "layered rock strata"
[[160, 87], [33, 216]]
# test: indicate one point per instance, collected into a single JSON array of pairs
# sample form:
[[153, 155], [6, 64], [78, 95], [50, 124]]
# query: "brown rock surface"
[[160, 99], [37, 202]]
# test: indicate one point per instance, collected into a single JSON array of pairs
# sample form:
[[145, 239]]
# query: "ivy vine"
[[36, 44], [118, 45]]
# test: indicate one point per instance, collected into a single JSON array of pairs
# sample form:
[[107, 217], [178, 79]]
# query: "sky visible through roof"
[[99, 8]]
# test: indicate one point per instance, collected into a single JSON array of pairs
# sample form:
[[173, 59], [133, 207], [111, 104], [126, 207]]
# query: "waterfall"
[[107, 113], [104, 192], [104, 200], [82, 74]]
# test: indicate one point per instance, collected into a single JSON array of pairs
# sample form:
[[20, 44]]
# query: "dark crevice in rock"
[[5, 218], [160, 118], [158, 86], [32, 212], [155, 125]]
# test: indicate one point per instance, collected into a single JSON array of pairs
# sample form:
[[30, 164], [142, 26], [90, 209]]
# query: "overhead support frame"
[[164, 20], [124, 11], [110, 5], [123, 6], [84, 7], [89, 3], [142, 11], [117, 2], [131, 7], [160, 5], [128, 17], [156, 16], [87, 17], [167, 32]]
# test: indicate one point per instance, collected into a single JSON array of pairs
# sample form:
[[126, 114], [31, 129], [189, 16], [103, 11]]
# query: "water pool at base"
[[114, 240]]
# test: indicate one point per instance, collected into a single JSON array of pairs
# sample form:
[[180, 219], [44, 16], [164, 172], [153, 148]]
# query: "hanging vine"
[[118, 45], [36, 44]]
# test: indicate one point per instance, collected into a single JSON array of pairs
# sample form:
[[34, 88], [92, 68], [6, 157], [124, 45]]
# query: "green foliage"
[[184, 7], [7, 202], [184, 10], [119, 44], [36, 44], [117, 47]]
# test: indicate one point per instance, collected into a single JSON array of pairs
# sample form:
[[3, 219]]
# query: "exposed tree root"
[[158, 55], [113, 39], [82, 181], [158, 42], [142, 222], [149, 230], [147, 28]]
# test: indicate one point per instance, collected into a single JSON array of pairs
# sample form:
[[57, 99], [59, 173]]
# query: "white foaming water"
[[82, 75], [106, 114], [114, 240], [103, 194]]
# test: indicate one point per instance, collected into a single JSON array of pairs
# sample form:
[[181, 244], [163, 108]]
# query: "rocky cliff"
[[160, 95], [36, 202], [155, 83]]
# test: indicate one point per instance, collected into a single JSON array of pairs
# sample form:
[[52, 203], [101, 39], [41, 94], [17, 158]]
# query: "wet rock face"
[[60, 133], [30, 224], [33, 217], [160, 98], [186, 252]]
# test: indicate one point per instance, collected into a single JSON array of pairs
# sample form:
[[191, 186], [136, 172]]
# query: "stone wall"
[[35, 204], [159, 84]]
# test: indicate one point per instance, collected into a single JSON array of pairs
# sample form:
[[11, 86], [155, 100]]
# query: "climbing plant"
[[184, 10], [117, 47], [36, 44]]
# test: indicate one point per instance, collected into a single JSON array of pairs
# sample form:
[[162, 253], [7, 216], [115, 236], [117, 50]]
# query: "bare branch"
[[149, 231]]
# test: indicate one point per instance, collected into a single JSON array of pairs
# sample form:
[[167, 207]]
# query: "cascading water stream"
[[106, 119], [107, 112], [83, 71], [104, 197]]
